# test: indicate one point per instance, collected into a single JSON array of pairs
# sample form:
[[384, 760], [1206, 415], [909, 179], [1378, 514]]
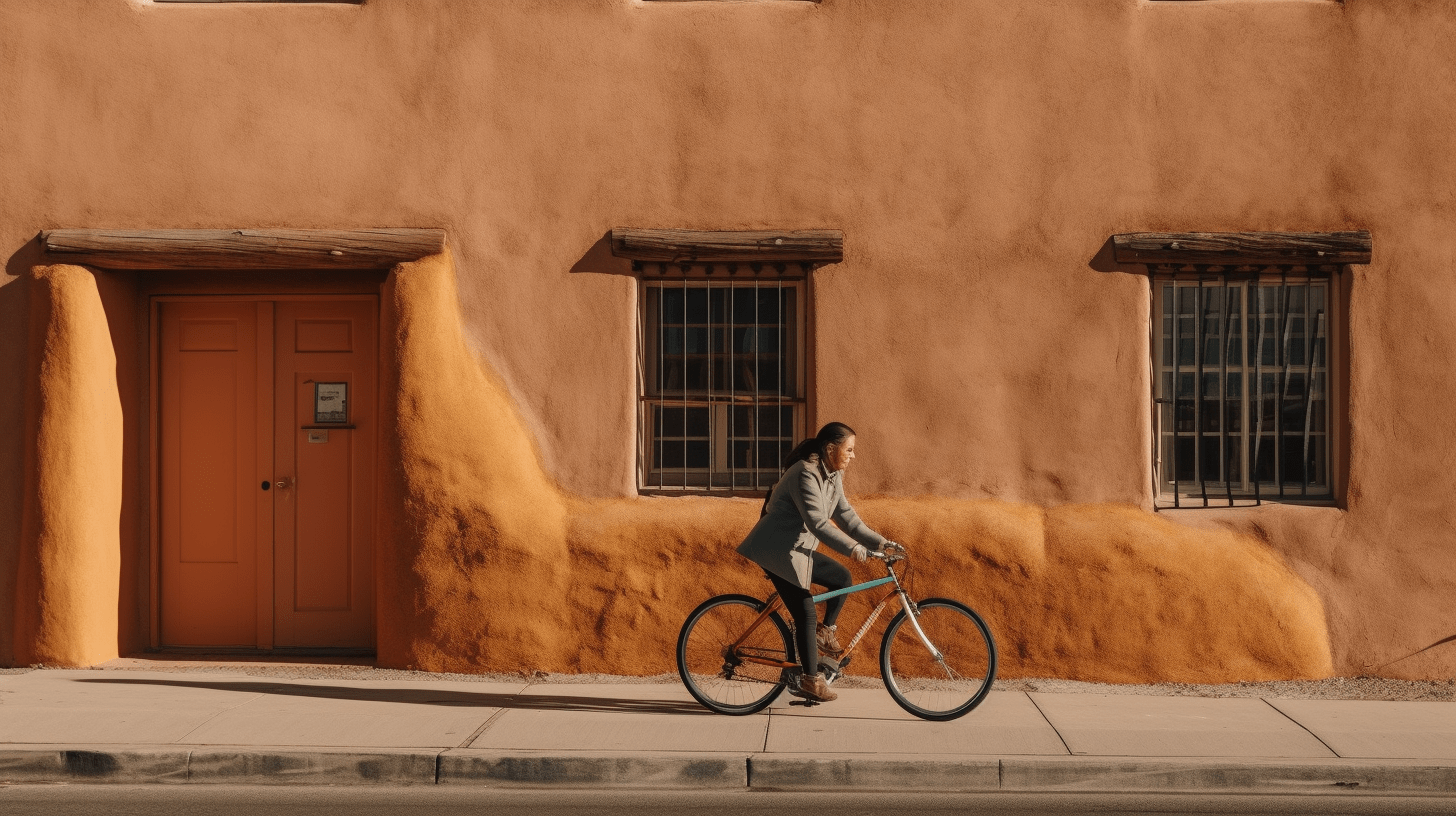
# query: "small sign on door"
[[330, 402]]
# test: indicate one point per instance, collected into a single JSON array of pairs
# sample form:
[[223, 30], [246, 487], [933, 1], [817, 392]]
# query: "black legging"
[[800, 603]]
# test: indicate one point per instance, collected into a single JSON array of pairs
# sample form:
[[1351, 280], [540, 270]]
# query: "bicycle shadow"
[[523, 700]]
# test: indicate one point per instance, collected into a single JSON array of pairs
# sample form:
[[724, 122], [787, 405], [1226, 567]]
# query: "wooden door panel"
[[324, 525], [208, 447]]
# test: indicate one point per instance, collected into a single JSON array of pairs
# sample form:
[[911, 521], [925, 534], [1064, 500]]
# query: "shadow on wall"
[[492, 568], [599, 260], [13, 302]]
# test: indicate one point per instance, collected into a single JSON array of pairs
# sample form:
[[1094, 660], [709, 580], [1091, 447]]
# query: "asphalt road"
[[228, 800]]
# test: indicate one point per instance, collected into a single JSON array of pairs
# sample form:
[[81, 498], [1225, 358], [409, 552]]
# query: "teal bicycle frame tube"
[[849, 590]]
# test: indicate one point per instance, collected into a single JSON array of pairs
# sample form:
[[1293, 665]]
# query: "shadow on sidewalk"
[[523, 700]]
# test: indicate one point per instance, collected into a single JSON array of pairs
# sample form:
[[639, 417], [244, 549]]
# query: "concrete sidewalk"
[[141, 726]]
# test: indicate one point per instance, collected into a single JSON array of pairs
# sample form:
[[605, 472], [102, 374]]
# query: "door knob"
[[284, 483]]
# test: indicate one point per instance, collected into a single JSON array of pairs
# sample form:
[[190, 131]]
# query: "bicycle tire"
[[945, 689], [715, 679]]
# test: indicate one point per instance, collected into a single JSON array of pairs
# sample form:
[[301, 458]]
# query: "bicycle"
[[736, 653]]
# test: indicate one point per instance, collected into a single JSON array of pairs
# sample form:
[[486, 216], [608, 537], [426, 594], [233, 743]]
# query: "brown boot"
[[813, 687], [828, 637]]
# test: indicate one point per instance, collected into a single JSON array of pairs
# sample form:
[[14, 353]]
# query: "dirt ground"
[[1334, 688]]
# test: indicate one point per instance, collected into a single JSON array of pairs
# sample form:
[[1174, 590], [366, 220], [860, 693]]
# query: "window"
[[722, 380], [1243, 384]]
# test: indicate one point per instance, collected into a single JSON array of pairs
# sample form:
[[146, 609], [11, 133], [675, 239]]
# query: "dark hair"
[[832, 434]]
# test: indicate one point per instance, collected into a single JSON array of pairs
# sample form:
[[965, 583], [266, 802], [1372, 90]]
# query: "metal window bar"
[[1226, 344], [658, 419], [1177, 359], [1257, 311], [1286, 319], [728, 316], [1314, 349], [1258, 323], [779, 382], [1200, 467]]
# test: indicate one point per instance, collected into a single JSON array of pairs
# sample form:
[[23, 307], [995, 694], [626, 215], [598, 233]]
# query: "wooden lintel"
[[728, 246], [243, 248], [1242, 248]]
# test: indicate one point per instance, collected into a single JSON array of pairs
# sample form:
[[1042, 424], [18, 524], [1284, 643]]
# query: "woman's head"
[[834, 445]]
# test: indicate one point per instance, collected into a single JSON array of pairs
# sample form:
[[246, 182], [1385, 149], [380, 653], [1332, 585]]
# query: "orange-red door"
[[265, 486], [213, 517], [324, 518]]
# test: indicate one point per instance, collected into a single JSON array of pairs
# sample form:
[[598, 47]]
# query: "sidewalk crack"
[[489, 721], [1302, 726], [183, 739], [1048, 720]]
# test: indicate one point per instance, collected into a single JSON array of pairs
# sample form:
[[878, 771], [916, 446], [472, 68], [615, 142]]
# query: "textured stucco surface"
[[70, 560], [491, 567], [976, 154]]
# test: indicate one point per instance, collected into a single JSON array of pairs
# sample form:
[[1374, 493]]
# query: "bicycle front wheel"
[[724, 677], [951, 674]]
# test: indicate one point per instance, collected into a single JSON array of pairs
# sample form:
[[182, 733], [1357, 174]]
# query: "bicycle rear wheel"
[[714, 672], [939, 686]]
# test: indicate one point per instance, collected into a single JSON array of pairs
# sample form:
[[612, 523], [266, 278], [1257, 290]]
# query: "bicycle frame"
[[775, 603]]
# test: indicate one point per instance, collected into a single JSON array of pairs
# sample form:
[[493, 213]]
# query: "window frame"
[[1170, 493], [701, 481]]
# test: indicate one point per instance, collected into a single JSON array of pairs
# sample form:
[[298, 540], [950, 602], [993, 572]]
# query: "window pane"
[[697, 453], [697, 305], [1212, 459], [669, 418], [1183, 458], [697, 422]]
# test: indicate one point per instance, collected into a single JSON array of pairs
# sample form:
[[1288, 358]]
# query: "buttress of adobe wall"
[[70, 561], [472, 558], [485, 565]]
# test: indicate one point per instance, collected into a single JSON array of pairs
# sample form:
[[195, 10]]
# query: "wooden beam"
[[703, 246], [242, 249], [1243, 247]]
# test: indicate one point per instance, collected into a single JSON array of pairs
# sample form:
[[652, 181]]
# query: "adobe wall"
[[976, 155]]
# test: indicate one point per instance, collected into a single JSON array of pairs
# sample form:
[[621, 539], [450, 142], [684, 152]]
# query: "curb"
[[594, 769], [770, 772], [216, 765], [93, 764], [1103, 774], [873, 772]]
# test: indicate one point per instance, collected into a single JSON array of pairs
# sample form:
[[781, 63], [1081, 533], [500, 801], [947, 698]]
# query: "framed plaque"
[[330, 402]]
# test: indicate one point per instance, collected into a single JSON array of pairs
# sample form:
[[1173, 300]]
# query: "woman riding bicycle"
[[802, 510]]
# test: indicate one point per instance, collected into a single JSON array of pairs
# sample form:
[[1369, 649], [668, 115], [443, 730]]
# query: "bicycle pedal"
[[806, 703]]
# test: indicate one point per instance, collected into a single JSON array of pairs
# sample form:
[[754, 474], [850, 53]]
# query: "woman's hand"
[[860, 553]]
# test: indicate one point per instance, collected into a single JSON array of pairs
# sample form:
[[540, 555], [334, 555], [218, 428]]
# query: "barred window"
[[1243, 381], [721, 379]]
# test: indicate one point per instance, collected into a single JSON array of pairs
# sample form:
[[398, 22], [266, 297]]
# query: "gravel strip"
[[1333, 688]]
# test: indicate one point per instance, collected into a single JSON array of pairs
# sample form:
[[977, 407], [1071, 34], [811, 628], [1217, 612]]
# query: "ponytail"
[[832, 434]]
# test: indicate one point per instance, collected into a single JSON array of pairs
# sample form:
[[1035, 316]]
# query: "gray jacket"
[[803, 510]]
